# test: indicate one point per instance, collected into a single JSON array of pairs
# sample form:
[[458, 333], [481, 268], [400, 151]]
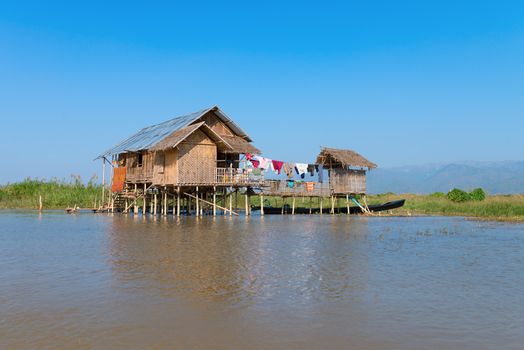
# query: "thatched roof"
[[180, 135], [239, 145], [152, 135], [341, 157]]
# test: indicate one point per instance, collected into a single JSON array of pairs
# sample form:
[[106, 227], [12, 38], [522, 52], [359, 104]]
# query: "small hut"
[[347, 170]]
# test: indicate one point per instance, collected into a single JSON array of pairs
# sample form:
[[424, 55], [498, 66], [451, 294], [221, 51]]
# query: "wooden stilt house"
[[347, 170], [195, 153]]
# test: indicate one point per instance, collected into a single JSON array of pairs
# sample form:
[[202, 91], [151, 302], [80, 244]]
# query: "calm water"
[[102, 282]]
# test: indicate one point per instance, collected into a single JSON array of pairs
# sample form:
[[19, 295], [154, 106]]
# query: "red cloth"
[[255, 163], [249, 156], [277, 165]]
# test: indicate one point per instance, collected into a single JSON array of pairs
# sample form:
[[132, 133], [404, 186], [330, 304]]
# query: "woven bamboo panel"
[[348, 181], [197, 160]]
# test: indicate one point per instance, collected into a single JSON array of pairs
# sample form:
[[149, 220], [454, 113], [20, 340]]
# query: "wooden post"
[[246, 204], [293, 207], [40, 206], [321, 205], [178, 202], [261, 204], [332, 205], [144, 207], [231, 201], [347, 203], [112, 204], [214, 201], [310, 209], [225, 209], [155, 204], [283, 204], [165, 201], [135, 206], [197, 205], [103, 178], [201, 206]]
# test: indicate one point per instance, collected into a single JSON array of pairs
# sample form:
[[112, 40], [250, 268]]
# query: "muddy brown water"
[[279, 282]]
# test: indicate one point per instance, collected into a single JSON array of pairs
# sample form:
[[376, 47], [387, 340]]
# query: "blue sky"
[[402, 82]]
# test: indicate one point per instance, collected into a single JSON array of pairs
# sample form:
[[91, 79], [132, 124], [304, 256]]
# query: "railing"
[[236, 176]]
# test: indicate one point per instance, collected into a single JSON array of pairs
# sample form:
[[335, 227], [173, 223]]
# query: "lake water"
[[277, 282]]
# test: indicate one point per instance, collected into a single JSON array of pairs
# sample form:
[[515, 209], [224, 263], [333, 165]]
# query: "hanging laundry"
[[288, 169], [320, 170], [255, 163], [301, 169], [290, 183], [277, 166], [264, 162], [310, 186], [249, 156], [311, 169]]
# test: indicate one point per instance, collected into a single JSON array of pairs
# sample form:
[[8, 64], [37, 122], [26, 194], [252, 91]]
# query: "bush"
[[457, 195], [477, 194], [438, 195]]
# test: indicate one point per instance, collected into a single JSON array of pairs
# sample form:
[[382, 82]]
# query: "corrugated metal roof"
[[153, 134]]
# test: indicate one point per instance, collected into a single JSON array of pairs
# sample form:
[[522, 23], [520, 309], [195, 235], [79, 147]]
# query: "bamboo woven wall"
[[137, 173], [347, 181], [197, 160]]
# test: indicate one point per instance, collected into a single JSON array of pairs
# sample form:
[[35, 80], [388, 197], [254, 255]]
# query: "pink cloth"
[[277, 165]]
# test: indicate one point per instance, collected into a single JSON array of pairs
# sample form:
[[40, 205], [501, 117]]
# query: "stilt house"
[[347, 170], [198, 149]]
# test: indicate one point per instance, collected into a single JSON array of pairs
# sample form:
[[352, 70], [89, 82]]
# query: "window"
[[139, 160]]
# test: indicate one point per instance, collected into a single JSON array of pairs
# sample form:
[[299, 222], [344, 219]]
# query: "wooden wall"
[[216, 124], [347, 181], [135, 173]]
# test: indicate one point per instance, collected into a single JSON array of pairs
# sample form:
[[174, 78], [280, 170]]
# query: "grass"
[[56, 194], [59, 194], [496, 207]]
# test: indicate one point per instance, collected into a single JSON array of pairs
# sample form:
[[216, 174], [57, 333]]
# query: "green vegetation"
[[459, 196], [497, 207], [59, 194], [56, 194]]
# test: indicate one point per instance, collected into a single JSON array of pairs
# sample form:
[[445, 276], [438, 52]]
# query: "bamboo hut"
[[347, 170], [188, 157]]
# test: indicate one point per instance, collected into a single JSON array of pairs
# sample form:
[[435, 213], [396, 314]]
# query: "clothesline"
[[288, 168]]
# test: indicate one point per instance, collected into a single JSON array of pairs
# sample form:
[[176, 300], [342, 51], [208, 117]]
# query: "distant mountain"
[[494, 177]]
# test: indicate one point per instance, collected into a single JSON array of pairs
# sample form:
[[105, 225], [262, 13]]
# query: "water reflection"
[[123, 282]]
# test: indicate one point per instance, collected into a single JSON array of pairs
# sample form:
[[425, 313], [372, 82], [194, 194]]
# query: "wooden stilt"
[[201, 206], [214, 201], [246, 206], [144, 207], [103, 179], [332, 205], [293, 207], [321, 207], [261, 204], [155, 204], [165, 201], [198, 199], [231, 201], [197, 205], [40, 206], [310, 207], [347, 203], [283, 204], [178, 202], [135, 206]]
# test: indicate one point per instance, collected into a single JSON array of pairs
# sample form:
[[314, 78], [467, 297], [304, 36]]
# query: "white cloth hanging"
[[301, 168]]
